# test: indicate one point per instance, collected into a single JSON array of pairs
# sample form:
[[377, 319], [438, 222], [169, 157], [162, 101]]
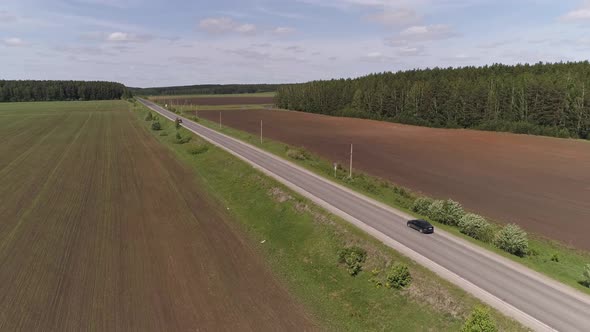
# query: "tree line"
[[16, 91], [551, 99], [209, 89]]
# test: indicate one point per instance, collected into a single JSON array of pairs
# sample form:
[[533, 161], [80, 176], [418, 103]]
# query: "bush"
[[452, 212], [398, 276], [555, 258], [436, 210], [298, 154], [163, 133], [476, 227], [156, 125], [512, 239], [195, 150], [353, 258], [422, 205], [149, 117], [586, 275], [479, 321]]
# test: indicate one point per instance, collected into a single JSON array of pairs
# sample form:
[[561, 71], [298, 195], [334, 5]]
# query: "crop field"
[[216, 100], [101, 228], [540, 183]]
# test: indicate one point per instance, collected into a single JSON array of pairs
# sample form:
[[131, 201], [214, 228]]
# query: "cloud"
[[580, 14], [189, 60], [220, 25], [376, 57], [6, 17], [14, 42], [496, 44], [401, 16], [283, 30], [411, 51], [427, 32], [117, 37], [295, 49], [111, 3]]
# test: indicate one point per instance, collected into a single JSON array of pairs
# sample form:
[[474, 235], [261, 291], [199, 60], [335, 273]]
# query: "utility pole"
[[219, 119], [260, 131], [350, 174]]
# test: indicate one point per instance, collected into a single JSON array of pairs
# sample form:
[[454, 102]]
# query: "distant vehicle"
[[421, 226]]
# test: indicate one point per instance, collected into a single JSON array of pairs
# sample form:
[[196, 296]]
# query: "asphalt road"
[[536, 301]]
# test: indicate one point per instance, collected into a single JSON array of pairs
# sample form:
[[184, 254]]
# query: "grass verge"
[[302, 242], [568, 269]]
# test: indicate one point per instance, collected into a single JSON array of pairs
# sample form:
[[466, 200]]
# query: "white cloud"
[[377, 57], [580, 14], [218, 25], [411, 51], [400, 16], [14, 42], [126, 37], [283, 30], [427, 32], [6, 17]]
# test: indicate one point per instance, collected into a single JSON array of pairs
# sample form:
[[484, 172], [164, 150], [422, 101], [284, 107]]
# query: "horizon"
[[156, 44]]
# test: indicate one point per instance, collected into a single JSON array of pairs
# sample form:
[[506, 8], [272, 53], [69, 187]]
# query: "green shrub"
[[353, 258], [479, 321], [512, 239], [156, 125], [555, 257], [198, 149], [163, 133], [149, 116], [398, 276], [436, 211], [181, 140], [452, 213], [298, 154], [586, 275], [476, 227], [422, 205], [178, 136]]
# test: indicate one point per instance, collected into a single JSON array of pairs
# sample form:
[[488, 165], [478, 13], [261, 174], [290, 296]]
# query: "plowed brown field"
[[101, 229], [540, 183], [216, 101]]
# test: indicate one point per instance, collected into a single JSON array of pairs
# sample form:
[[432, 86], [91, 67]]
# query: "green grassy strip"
[[567, 270], [301, 243]]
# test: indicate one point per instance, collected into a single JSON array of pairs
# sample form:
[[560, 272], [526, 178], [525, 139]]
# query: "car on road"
[[421, 226]]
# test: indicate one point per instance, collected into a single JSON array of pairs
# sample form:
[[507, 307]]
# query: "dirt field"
[[101, 229], [215, 101], [540, 183]]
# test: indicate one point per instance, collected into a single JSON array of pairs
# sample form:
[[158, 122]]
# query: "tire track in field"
[[8, 238]]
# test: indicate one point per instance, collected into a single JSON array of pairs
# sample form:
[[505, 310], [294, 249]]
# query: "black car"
[[421, 226]]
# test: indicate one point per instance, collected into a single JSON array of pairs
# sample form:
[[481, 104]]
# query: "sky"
[[146, 43]]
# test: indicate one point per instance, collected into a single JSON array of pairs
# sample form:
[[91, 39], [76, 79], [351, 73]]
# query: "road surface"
[[529, 297]]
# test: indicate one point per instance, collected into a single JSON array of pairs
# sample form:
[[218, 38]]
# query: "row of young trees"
[[544, 99], [210, 89], [15, 91]]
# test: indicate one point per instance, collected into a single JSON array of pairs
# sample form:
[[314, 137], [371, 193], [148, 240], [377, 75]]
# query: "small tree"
[[512, 239], [479, 321], [156, 125], [586, 274], [436, 210], [453, 212], [422, 205], [177, 123], [149, 117], [398, 276], [476, 227], [353, 258]]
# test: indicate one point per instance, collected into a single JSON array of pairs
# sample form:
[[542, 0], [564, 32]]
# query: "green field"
[[301, 241]]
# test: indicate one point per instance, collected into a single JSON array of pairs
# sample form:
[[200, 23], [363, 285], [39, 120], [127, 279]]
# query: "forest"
[[549, 99], [210, 89], [17, 91]]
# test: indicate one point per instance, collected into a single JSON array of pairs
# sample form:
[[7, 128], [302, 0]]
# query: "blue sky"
[[158, 42]]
